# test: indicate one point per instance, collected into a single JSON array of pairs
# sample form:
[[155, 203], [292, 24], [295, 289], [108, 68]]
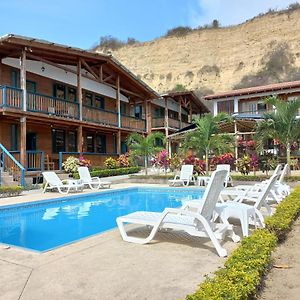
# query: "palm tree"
[[282, 124], [145, 146], [206, 138]]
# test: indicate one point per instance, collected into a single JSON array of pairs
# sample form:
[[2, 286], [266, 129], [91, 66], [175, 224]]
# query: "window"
[[88, 99], [72, 141], [159, 112], [100, 143], [58, 140], [159, 143], [138, 111], [14, 137], [225, 106], [261, 106], [99, 102], [90, 143], [173, 114], [31, 86], [72, 94], [15, 78], [184, 118], [123, 108], [59, 91]]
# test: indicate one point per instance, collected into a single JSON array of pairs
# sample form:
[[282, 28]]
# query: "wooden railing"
[[100, 116], [133, 123], [8, 163], [96, 159], [173, 123], [158, 122], [34, 159], [52, 106], [11, 97]]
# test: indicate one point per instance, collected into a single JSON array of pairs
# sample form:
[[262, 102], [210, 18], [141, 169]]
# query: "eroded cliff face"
[[261, 51]]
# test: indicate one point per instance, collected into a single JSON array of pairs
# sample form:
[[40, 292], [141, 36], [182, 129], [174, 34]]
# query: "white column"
[[215, 107], [235, 105]]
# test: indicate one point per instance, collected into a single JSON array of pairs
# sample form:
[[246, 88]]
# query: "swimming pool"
[[48, 224]]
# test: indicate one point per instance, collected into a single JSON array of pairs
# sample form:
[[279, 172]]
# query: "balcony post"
[[23, 79], [79, 139], [166, 118], [79, 90], [119, 142], [118, 101], [23, 141], [148, 116]]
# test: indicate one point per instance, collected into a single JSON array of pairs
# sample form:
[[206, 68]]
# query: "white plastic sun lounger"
[[54, 182], [93, 182], [197, 223], [185, 177], [247, 214], [228, 180]]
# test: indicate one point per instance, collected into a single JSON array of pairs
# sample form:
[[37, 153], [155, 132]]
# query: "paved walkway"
[[105, 267], [284, 283]]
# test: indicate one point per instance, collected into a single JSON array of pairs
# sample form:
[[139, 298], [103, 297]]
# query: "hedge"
[[261, 178], [111, 172], [10, 191], [242, 274]]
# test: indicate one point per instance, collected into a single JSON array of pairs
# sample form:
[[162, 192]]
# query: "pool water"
[[45, 225]]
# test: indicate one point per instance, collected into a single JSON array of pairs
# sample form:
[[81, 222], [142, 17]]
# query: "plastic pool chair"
[[93, 182], [197, 222], [185, 177], [203, 180], [245, 212], [54, 182]]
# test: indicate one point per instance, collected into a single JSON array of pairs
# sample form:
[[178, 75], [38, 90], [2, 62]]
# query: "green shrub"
[[10, 191], [243, 271], [281, 221], [262, 177], [111, 172]]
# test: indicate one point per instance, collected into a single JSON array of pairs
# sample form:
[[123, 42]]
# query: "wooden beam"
[[108, 78], [23, 141], [148, 116], [191, 112], [79, 139], [101, 73], [118, 101], [124, 90], [79, 89], [180, 112], [166, 118], [88, 68], [23, 79], [119, 142]]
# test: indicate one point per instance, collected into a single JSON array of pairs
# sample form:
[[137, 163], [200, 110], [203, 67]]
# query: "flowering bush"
[[71, 164], [161, 160], [123, 160], [226, 158], [199, 165], [174, 162], [267, 162], [243, 164], [254, 162], [111, 163], [83, 162]]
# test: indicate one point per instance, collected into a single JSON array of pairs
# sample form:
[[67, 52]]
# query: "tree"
[[145, 146], [282, 124], [206, 138]]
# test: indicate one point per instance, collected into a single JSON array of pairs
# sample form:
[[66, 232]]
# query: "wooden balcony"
[[172, 123], [13, 98]]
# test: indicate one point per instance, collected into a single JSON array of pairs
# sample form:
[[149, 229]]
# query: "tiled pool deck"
[[105, 267]]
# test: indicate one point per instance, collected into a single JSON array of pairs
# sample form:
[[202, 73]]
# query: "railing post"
[[42, 161], [60, 157], [23, 178], [4, 96]]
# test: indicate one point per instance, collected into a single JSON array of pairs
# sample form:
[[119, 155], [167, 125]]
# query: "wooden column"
[[119, 142], [23, 141], [148, 116], [79, 90], [23, 79], [118, 101], [79, 139], [166, 118], [190, 113], [180, 112]]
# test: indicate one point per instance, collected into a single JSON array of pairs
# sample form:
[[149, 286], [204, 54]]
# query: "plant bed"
[[262, 177], [243, 272], [111, 172], [10, 191]]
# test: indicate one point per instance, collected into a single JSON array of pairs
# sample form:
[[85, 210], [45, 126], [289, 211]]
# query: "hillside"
[[263, 50]]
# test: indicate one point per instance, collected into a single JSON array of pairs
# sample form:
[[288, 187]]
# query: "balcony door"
[[31, 141]]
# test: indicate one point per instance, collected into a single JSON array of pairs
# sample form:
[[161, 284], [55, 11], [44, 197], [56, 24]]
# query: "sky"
[[80, 23]]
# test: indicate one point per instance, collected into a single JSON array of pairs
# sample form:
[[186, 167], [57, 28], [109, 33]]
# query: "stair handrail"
[[18, 164]]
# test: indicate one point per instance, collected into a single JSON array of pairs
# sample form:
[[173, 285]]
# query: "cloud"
[[231, 12]]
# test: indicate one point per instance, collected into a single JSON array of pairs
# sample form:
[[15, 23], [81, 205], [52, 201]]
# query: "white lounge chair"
[[93, 182], [186, 176], [203, 180], [63, 186], [246, 213], [197, 222]]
